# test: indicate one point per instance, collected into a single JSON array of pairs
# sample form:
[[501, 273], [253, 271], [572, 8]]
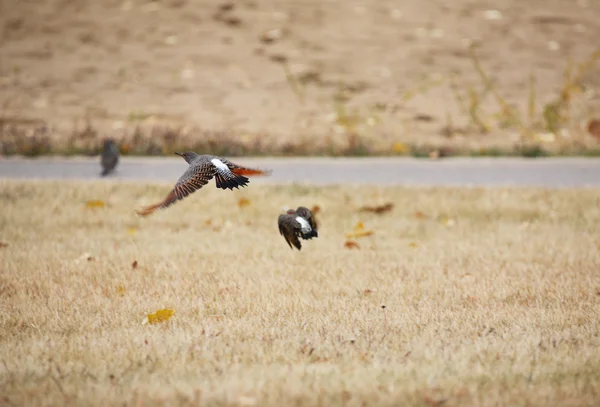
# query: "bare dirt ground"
[[295, 76], [460, 297]]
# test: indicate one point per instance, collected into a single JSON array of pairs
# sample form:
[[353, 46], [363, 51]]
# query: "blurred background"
[[268, 77]]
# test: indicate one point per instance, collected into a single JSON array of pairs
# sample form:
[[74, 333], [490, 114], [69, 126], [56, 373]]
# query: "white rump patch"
[[219, 164], [304, 225]]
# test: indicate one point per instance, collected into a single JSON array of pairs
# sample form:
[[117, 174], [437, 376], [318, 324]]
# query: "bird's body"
[[110, 157], [295, 224], [202, 168]]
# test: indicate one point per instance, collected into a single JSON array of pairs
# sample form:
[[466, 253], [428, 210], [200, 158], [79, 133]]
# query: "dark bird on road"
[[201, 169], [110, 156]]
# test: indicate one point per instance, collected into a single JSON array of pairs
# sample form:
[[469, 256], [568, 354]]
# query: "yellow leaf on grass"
[[414, 245], [359, 231], [243, 202], [95, 203], [120, 290], [131, 231], [447, 221], [161, 315]]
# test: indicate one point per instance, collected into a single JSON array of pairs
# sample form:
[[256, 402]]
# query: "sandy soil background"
[[212, 66]]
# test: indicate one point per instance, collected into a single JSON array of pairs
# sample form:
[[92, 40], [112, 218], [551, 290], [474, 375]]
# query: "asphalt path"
[[482, 172]]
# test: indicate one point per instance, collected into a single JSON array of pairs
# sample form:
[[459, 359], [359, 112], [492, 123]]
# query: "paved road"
[[541, 172]]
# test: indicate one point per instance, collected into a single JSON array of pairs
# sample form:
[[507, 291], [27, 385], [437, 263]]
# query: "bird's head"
[[188, 156]]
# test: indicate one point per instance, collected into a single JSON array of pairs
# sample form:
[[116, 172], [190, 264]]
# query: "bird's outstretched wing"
[[289, 229], [194, 178]]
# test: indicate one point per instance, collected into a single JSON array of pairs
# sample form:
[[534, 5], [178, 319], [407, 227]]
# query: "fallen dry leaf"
[[379, 209], [95, 203], [243, 202], [134, 264], [420, 215], [3, 245], [414, 245], [430, 401], [159, 316], [315, 209], [131, 230], [359, 231], [350, 244]]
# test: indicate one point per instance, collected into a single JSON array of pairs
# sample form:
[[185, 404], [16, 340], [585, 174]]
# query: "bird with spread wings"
[[201, 169]]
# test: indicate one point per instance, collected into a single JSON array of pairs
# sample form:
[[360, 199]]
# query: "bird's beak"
[[179, 154]]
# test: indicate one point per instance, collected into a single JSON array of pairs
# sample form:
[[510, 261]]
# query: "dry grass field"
[[460, 297]]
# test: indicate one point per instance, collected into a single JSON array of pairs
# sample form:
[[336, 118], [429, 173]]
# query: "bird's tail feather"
[[250, 171], [310, 235]]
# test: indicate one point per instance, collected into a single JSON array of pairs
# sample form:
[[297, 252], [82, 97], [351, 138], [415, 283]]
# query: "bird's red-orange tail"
[[249, 171]]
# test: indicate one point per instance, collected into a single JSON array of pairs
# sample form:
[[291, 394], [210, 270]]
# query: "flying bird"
[[110, 156], [295, 224], [202, 168]]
